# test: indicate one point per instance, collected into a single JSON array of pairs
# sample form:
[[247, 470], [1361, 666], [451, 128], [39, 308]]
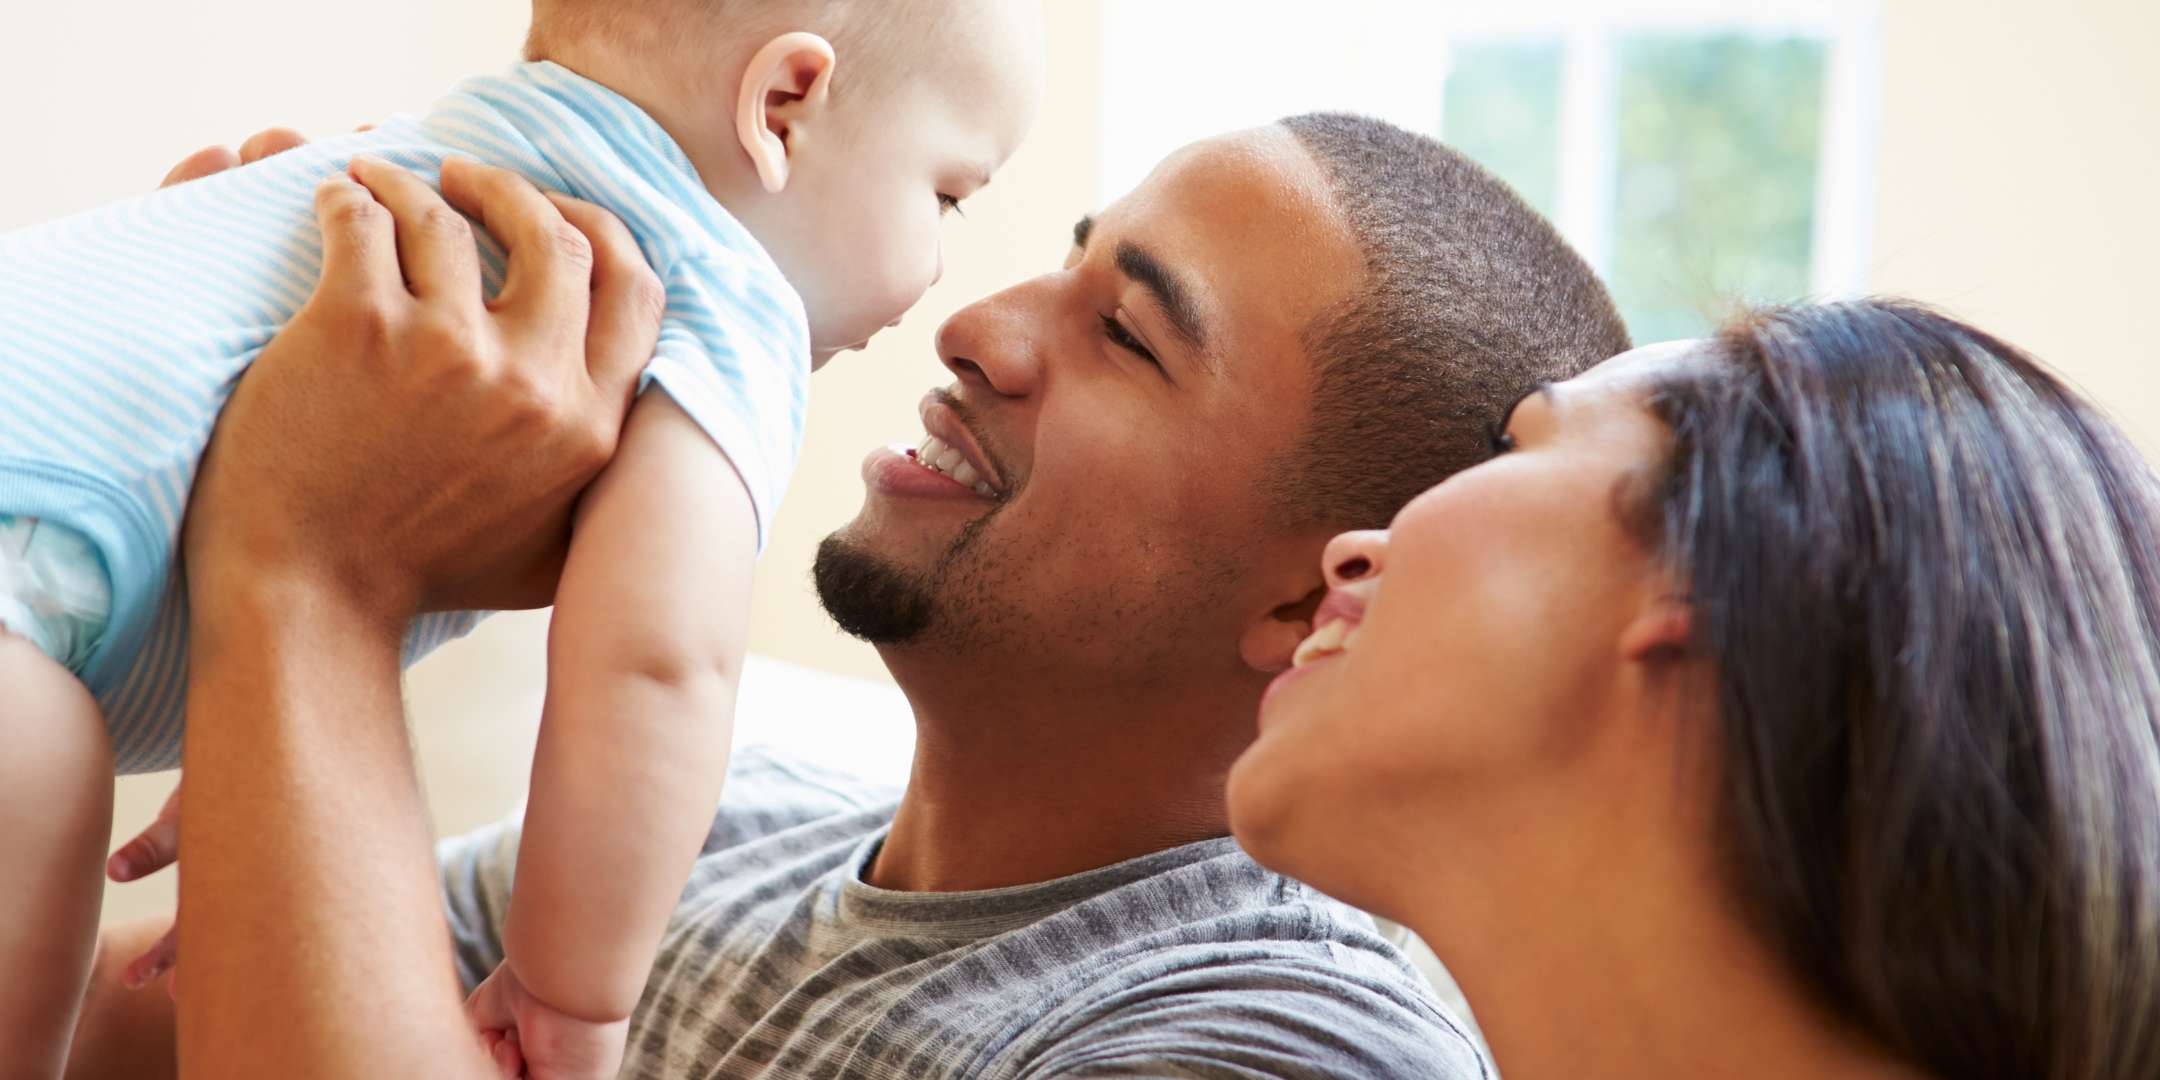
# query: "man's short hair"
[[1471, 300]]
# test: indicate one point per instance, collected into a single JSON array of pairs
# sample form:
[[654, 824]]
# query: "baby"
[[784, 165]]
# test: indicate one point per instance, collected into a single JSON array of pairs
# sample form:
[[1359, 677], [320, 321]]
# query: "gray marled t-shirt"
[[781, 962]]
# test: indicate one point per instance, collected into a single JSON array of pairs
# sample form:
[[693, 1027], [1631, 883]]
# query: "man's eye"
[[1123, 339], [948, 204]]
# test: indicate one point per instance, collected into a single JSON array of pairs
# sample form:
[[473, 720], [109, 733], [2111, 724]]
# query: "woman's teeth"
[[1335, 637], [940, 458]]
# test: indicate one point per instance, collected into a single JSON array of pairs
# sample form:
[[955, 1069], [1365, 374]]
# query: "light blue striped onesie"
[[123, 330]]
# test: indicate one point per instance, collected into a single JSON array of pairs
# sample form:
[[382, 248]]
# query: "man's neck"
[[1014, 785]]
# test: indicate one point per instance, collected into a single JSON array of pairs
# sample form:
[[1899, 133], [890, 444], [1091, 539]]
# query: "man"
[[1284, 333]]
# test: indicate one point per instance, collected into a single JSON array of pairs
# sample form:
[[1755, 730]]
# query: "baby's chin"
[[819, 357]]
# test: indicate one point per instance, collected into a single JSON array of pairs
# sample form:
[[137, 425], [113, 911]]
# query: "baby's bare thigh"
[[47, 714], [55, 819]]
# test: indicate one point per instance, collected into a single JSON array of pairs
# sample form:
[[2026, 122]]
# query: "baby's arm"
[[643, 660]]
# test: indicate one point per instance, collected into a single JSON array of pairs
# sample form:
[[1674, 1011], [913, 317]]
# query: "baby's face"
[[864, 244]]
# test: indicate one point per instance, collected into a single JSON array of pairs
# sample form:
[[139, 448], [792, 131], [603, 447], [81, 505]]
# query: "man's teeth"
[[1333, 638], [938, 457]]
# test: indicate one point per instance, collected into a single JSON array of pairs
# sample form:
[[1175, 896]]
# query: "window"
[[1699, 152]]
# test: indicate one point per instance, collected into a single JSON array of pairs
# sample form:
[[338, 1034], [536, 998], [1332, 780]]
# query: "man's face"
[[1125, 411]]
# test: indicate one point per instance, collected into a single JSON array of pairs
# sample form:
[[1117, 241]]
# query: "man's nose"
[[997, 341], [1355, 557]]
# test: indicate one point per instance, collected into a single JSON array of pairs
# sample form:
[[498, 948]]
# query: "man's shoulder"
[[770, 790]]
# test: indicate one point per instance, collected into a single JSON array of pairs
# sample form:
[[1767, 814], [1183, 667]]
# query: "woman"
[[1778, 705]]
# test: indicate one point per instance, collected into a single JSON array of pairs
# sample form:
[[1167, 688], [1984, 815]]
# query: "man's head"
[[1282, 334], [838, 131], [1470, 297]]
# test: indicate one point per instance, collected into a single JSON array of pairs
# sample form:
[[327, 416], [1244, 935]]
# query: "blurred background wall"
[[1997, 158]]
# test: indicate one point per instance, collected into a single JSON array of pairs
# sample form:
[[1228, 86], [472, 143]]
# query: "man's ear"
[[1269, 643], [787, 82], [1664, 631]]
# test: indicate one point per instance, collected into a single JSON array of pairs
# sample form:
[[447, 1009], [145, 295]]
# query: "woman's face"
[[1465, 666]]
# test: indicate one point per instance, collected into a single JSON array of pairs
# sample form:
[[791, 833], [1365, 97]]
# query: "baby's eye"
[[948, 204]]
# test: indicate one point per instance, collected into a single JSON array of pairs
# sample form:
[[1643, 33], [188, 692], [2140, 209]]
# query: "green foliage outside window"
[[1714, 200], [1717, 144]]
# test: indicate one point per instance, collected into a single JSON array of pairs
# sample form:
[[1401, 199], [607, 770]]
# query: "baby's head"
[[839, 132]]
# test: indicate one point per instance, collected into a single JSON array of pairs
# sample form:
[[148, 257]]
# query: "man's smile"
[[949, 447], [949, 462]]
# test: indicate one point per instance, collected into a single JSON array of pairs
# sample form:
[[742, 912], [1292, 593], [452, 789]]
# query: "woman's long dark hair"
[[1928, 574]]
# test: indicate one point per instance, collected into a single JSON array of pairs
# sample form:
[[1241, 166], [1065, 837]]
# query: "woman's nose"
[[1354, 557]]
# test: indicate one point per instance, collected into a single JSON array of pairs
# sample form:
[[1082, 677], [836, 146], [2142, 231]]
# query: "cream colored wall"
[[2018, 172], [2015, 186]]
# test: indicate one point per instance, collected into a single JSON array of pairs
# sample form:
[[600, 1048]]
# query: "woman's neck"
[[1638, 967]]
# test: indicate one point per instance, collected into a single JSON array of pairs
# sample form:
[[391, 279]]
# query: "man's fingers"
[[153, 849], [434, 242], [269, 141], [508, 1056], [216, 159], [359, 244], [550, 261], [156, 961], [627, 301], [201, 163]]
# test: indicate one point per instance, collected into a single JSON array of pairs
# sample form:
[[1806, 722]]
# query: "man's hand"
[[451, 436], [528, 1038], [216, 159], [153, 849], [401, 445]]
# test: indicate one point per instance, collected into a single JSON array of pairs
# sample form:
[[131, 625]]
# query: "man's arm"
[[352, 484]]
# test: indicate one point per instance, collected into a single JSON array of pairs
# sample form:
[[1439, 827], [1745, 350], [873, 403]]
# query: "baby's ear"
[[787, 84]]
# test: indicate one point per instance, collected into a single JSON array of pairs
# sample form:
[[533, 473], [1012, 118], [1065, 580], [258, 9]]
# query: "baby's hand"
[[528, 1038]]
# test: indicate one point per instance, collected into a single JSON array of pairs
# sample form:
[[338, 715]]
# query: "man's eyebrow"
[[1170, 292], [1081, 230]]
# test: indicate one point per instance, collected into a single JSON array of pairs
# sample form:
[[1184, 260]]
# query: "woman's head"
[[1858, 594]]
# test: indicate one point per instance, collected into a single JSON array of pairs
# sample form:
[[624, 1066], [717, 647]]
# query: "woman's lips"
[[1335, 625], [1331, 638]]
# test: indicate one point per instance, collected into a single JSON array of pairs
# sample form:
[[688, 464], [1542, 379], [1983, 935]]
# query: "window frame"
[[1392, 61]]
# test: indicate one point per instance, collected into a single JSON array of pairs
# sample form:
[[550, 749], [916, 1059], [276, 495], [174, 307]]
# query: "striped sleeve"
[[734, 352]]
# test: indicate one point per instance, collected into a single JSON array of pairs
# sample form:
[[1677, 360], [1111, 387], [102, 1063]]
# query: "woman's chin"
[[1266, 794]]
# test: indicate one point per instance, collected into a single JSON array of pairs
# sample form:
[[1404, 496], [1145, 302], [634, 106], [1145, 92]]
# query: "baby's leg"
[[55, 820]]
